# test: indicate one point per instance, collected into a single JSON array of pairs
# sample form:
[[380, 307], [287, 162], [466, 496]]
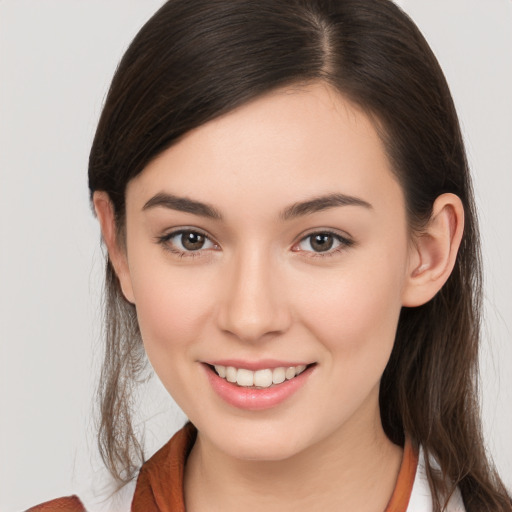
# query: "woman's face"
[[272, 238]]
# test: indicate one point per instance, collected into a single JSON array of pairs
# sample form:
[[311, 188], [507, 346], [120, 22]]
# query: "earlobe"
[[117, 254], [434, 251]]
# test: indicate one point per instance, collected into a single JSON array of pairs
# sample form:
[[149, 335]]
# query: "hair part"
[[195, 60]]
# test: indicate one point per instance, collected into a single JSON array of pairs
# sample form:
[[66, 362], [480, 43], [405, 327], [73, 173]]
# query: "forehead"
[[289, 144]]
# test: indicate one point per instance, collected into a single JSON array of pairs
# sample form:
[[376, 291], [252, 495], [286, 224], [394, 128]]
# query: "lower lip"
[[254, 399]]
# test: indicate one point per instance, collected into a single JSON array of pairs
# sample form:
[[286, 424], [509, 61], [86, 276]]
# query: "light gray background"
[[56, 61]]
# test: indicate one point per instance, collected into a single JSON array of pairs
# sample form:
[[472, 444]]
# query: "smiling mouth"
[[259, 379]]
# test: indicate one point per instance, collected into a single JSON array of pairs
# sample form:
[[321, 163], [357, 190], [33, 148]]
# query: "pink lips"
[[254, 399]]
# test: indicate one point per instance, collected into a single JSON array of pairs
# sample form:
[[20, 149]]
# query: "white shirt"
[[421, 497]]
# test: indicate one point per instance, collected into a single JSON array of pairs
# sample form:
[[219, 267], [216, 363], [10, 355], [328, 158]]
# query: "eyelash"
[[344, 243]]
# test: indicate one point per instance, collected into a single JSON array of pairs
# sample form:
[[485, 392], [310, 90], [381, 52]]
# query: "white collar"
[[421, 497]]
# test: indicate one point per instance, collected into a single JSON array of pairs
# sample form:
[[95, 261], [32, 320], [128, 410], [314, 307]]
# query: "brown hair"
[[197, 59]]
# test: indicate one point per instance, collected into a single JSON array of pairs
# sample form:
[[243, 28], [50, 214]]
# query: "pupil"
[[322, 242], [192, 241]]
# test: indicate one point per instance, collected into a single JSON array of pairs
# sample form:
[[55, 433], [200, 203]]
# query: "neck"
[[352, 469]]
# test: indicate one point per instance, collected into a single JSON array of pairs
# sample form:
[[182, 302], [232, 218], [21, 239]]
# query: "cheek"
[[354, 319], [355, 312], [172, 307]]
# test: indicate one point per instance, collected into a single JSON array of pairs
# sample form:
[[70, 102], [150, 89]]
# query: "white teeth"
[[278, 375], [260, 378], [263, 378], [290, 372], [246, 378], [231, 374], [300, 369], [221, 370]]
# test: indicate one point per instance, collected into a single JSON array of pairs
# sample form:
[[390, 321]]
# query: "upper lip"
[[261, 364]]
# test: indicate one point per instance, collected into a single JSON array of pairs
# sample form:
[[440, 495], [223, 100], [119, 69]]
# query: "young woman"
[[284, 195]]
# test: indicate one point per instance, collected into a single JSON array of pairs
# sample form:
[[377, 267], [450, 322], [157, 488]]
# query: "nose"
[[253, 304]]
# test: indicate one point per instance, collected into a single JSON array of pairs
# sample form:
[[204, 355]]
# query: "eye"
[[187, 241], [323, 242]]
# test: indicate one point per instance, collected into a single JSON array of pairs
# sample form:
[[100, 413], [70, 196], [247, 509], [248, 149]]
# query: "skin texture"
[[258, 290]]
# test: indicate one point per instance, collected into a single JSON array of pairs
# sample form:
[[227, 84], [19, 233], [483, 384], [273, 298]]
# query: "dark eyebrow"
[[307, 207], [183, 204], [318, 204]]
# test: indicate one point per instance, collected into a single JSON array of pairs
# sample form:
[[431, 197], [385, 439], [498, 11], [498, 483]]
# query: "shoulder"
[[159, 479], [102, 498], [67, 504]]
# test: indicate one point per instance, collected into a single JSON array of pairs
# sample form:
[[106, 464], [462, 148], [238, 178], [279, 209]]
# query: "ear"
[[116, 252], [434, 251]]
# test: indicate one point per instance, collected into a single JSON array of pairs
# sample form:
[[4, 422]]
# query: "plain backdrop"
[[56, 60]]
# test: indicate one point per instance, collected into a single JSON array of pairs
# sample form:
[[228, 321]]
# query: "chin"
[[258, 441], [264, 451]]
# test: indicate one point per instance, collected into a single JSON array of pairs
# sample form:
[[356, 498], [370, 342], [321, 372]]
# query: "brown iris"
[[192, 241], [321, 242]]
